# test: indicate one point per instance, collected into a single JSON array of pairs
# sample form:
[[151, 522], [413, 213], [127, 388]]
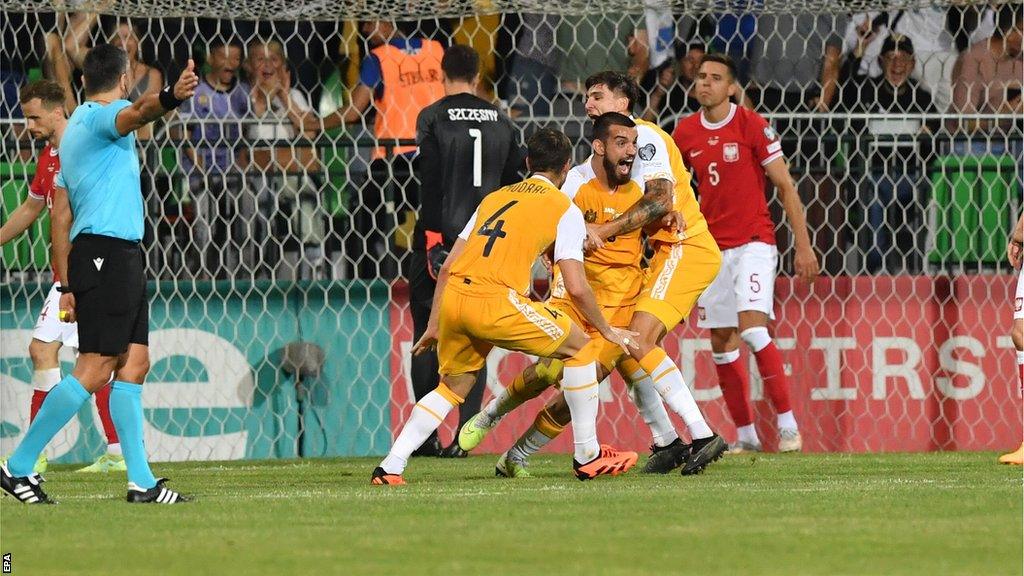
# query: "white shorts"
[[1018, 301], [746, 281], [49, 328]]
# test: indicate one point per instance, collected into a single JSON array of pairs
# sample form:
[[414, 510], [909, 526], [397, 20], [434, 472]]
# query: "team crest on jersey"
[[590, 216], [731, 152], [713, 141], [770, 133], [646, 152]]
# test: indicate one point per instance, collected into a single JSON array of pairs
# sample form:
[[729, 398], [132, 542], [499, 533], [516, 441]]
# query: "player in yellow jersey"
[[480, 302], [685, 261], [602, 188]]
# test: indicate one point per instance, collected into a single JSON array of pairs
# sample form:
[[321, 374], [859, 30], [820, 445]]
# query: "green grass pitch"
[[937, 513]]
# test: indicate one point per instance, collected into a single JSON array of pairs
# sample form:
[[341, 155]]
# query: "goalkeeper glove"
[[436, 253]]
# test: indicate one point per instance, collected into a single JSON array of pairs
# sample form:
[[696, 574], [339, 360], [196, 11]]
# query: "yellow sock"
[[543, 430], [651, 361], [448, 395], [546, 424], [628, 367], [520, 391], [550, 373], [668, 381]]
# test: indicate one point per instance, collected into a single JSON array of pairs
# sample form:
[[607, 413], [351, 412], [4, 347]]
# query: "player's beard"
[[610, 168]]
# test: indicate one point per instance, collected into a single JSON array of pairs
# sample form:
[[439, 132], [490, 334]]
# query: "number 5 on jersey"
[[496, 232]]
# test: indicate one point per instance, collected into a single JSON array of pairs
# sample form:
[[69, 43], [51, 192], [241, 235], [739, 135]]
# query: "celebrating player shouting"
[[480, 302], [602, 187], [730, 149], [684, 263]]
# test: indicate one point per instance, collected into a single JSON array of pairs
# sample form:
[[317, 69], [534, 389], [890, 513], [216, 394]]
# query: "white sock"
[[787, 420], [678, 397], [579, 385], [493, 412], [757, 338], [114, 449], [747, 434], [44, 380], [648, 402], [426, 416], [529, 443]]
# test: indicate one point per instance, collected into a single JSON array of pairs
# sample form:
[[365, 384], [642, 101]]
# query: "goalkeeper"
[[467, 149]]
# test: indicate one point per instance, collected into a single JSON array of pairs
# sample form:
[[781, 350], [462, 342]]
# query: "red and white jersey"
[[42, 185], [47, 168], [727, 160]]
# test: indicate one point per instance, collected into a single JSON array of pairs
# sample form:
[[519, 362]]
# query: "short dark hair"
[[617, 82], [723, 59], [897, 43], [548, 150], [103, 67], [49, 93], [460, 63], [603, 124]]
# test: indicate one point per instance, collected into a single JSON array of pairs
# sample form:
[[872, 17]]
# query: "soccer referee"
[[467, 149], [98, 210]]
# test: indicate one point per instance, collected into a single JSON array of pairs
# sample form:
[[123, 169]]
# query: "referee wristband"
[[64, 289], [167, 99]]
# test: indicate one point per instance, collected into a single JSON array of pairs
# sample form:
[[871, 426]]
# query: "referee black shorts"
[[107, 277]]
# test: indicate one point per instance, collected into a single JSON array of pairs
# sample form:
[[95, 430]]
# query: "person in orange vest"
[[400, 76]]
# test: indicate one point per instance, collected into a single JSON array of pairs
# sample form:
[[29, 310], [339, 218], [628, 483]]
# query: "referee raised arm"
[[467, 149], [97, 226]]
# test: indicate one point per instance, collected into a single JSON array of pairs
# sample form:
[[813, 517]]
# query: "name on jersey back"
[[473, 114], [528, 188]]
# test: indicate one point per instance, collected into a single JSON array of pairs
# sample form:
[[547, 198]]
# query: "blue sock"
[[60, 406], [126, 412]]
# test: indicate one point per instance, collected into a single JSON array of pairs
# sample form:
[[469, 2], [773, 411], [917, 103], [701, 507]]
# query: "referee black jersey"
[[467, 149]]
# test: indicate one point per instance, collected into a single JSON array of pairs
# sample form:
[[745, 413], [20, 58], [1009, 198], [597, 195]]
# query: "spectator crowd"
[[296, 157]]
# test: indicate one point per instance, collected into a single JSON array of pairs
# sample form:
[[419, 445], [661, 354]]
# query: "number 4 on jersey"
[[495, 232]]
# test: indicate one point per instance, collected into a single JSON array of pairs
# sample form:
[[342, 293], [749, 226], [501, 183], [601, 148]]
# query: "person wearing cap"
[[894, 164]]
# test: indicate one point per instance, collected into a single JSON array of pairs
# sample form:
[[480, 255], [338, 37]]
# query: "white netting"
[[285, 234], [384, 9]]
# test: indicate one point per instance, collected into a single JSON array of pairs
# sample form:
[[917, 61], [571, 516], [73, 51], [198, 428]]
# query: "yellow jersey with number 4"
[[512, 226]]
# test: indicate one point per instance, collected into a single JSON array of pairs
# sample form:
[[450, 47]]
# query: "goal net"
[[278, 253]]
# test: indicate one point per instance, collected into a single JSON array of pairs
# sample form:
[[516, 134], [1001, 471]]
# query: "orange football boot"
[[609, 461], [382, 478]]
